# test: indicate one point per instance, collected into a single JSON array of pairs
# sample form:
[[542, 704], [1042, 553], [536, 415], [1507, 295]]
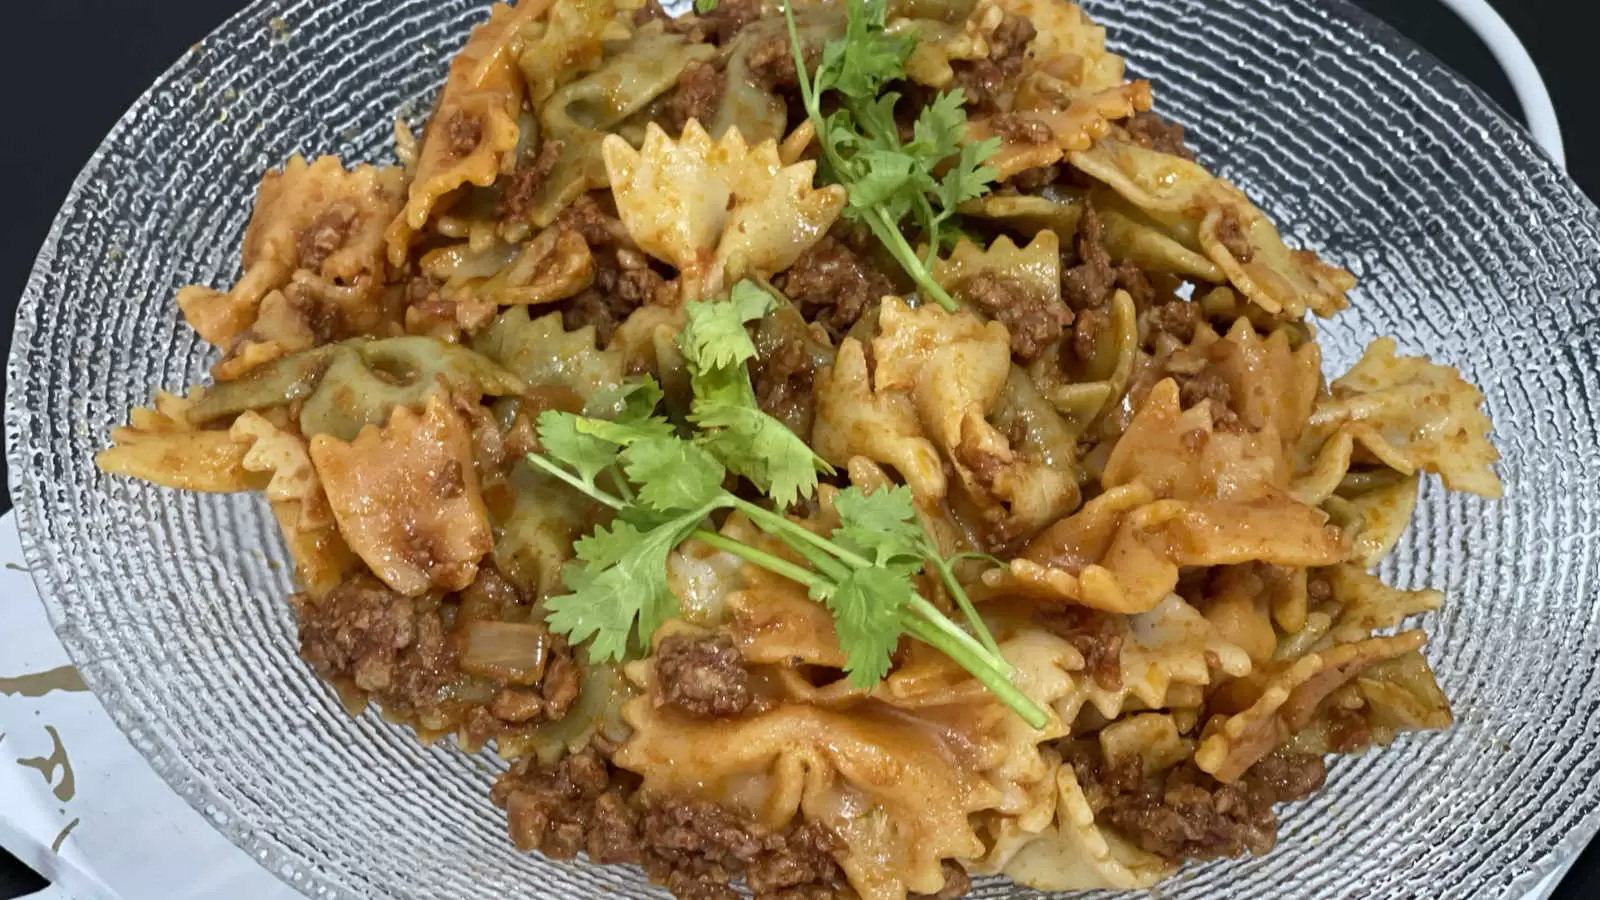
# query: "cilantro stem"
[[774, 523], [589, 490], [933, 616], [959, 594], [620, 482], [981, 557], [888, 232], [982, 669], [773, 564]]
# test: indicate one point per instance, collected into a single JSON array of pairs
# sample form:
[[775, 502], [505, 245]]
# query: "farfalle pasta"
[[844, 450]]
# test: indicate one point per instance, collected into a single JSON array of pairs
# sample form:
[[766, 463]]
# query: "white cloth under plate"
[[135, 839]]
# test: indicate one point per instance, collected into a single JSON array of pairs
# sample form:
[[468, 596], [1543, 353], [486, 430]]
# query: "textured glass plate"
[[1469, 244]]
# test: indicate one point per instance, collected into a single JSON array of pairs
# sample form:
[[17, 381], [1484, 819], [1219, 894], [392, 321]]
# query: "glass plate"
[[1470, 246]]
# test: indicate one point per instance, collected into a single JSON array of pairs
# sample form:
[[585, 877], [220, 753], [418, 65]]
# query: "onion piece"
[[510, 652]]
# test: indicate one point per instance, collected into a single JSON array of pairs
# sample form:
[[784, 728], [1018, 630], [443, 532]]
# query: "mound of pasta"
[[844, 449]]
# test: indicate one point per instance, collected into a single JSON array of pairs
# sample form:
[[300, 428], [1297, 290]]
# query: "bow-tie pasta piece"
[[1410, 415], [1030, 139], [365, 381], [1210, 216], [1244, 731], [1019, 287], [473, 135], [163, 446], [580, 115], [322, 558], [718, 211], [406, 498], [313, 261]]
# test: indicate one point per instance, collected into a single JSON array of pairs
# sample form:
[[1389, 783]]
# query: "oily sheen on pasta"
[[843, 449]]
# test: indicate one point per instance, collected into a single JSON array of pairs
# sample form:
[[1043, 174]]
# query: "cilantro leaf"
[[563, 441], [939, 126], [620, 583], [623, 433], [714, 337], [761, 448], [733, 427], [865, 59], [705, 6], [672, 473], [868, 607], [882, 526]]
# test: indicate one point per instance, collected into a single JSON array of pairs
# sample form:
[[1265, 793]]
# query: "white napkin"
[[119, 833]]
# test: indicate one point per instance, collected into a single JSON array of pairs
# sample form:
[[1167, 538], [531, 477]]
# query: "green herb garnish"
[[663, 486], [705, 6], [888, 179]]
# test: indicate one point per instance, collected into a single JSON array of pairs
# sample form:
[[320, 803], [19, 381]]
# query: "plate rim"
[[28, 506]]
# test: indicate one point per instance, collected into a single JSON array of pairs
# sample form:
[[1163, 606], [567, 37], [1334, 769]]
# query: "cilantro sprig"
[[663, 486], [888, 179]]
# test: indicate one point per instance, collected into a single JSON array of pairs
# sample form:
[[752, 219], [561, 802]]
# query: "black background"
[[73, 66]]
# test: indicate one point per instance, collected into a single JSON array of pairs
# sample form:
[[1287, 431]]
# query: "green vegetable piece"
[[277, 383], [366, 380]]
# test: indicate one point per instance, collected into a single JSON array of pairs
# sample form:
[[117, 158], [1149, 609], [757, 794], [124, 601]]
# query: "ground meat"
[[1178, 318], [651, 11], [1089, 283], [399, 651], [463, 134], [783, 374], [580, 804], [563, 677], [728, 19], [1034, 320], [634, 281], [599, 309], [956, 884], [623, 281], [771, 62], [692, 846], [1030, 180], [1185, 813], [1018, 129], [698, 95], [1285, 777], [1132, 279], [1209, 385], [1086, 333], [695, 845], [983, 80], [586, 217], [360, 633], [517, 200], [1096, 635], [704, 677], [1154, 132], [1231, 233], [325, 235], [832, 285]]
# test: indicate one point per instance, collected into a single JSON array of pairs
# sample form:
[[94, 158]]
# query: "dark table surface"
[[74, 66]]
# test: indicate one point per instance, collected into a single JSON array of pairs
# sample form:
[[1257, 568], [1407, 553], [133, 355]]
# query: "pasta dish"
[[838, 449]]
